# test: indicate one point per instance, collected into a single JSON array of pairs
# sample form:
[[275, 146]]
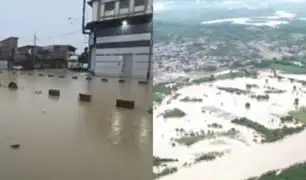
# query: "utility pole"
[[34, 50]]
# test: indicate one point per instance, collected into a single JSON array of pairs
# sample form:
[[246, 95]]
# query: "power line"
[[61, 35]]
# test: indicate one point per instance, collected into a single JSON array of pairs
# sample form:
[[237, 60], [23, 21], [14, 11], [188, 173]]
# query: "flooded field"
[[206, 127], [64, 139]]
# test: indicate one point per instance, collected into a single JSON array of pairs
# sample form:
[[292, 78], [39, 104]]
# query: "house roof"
[[12, 37], [28, 46], [64, 45], [91, 2]]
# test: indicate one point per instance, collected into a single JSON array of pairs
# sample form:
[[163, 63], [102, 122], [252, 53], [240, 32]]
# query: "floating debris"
[[143, 82], [12, 85], [125, 104], [84, 97], [104, 79], [38, 92], [54, 92], [15, 146], [121, 81], [88, 78]]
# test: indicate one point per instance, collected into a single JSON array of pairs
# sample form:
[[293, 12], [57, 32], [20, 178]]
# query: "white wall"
[[93, 59], [140, 66], [95, 6], [108, 65], [3, 65]]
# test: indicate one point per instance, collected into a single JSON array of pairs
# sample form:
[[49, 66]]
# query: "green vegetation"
[[157, 161], [233, 90], [275, 91], [165, 172], [159, 92], [188, 99], [209, 156], [261, 97], [204, 79], [299, 115], [285, 119], [215, 125], [193, 138], [237, 74], [249, 86], [174, 113], [295, 172], [247, 105], [282, 65], [270, 135]]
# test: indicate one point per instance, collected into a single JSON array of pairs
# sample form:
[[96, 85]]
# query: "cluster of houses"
[[120, 42], [38, 57]]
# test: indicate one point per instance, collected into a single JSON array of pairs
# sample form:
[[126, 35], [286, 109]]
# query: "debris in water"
[[85, 97], [54, 92], [12, 85], [38, 92], [15, 146]]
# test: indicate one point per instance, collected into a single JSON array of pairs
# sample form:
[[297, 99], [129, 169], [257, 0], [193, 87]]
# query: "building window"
[[140, 2], [124, 4], [109, 6]]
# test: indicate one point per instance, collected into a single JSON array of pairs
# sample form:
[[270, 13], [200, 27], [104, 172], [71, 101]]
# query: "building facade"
[[53, 56], [120, 42], [8, 52]]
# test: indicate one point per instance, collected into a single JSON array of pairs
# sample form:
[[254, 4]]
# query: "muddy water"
[[62, 139], [248, 162]]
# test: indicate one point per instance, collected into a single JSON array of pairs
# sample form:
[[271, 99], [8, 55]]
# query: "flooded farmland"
[[64, 139]]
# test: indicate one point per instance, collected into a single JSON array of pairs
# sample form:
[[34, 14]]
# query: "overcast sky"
[[50, 19]]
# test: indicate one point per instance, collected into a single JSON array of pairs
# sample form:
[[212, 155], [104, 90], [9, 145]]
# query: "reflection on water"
[[64, 139]]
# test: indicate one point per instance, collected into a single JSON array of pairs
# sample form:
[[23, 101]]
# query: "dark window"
[[109, 6], [140, 2], [124, 4]]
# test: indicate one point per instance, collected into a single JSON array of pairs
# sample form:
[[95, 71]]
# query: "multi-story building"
[[121, 38], [53, 56], [8, 52]]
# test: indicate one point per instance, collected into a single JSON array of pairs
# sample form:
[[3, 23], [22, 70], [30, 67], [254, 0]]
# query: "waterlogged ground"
[[224, 124], [64, 139]]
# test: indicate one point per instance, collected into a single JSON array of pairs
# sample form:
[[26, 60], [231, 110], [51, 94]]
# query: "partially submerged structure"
[[120, 38]]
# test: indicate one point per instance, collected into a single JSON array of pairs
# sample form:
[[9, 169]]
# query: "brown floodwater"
[[63, 139]]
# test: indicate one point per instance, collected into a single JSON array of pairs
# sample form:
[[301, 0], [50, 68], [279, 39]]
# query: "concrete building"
[[120, 42], [8, 52], [53, 56]]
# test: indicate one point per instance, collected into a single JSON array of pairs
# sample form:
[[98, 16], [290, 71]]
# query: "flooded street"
[[63, 139]]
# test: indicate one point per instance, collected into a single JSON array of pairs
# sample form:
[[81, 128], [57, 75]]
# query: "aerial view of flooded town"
[[229, 95], [64, 116]]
